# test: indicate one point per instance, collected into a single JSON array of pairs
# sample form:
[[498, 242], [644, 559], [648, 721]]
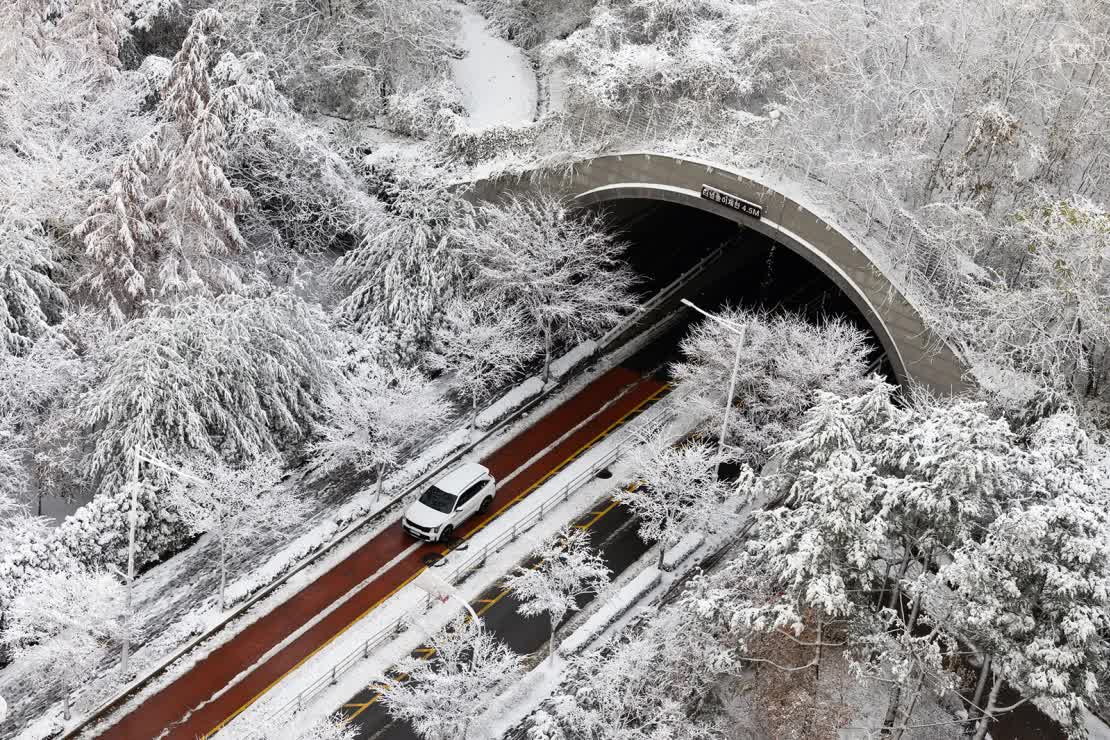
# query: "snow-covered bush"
[[29, 299], [480, 145], [514, 19], [430, 110]]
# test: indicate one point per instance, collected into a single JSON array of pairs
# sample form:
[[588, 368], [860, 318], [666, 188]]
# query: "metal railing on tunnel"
[[657, 417]]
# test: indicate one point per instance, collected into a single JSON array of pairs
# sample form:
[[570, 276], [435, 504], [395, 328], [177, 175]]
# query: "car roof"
[[458, 479]]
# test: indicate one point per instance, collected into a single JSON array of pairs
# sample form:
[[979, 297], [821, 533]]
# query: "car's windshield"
[[439, 500]]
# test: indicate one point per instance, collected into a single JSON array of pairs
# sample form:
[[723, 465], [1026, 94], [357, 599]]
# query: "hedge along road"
[[186, 709]]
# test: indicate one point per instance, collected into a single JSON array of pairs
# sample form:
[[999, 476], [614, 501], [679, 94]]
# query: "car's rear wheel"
[[485, 505], [445, 535]]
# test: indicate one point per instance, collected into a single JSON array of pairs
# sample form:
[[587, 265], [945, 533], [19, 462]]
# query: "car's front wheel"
[[485, 505], [445, 535]]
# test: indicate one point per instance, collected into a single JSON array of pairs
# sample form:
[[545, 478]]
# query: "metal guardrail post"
[[333, 669], [513, 537]]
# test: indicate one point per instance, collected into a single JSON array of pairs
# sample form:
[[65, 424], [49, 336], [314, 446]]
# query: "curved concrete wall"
[[914, 351]]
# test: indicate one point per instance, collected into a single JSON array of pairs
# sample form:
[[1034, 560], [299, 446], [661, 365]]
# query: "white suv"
[[449, 502]]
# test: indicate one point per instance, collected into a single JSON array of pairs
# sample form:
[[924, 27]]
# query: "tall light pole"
[[742, 335], [133, 522]]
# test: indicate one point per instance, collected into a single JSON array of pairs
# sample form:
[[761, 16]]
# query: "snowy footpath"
[[497, 81]]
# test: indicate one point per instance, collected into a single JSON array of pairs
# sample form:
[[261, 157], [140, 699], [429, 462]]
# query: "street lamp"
[[133, 518], [742, 333]]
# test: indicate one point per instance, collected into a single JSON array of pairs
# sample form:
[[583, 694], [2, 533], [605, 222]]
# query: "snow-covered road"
[[497, 81]]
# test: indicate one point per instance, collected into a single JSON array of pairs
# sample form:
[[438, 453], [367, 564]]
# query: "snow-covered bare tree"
[[62, 622], [440, 695], [676, 490], [234, 506], [483, 346], [564, 269], [785, 359], [374, 414], [567, 569]]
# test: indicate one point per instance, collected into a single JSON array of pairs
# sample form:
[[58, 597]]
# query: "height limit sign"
[[734, 202]]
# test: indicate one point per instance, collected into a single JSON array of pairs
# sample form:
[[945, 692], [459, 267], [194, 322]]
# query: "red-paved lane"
[[167, 708]]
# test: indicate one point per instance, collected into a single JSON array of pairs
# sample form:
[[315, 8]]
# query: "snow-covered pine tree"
[[441, 695], [29, 299], [189, 89], [198, 206], [235, 506], [236, 377], [410, 264], [97, 27], [120, 235], [563, 269], [567, 569]]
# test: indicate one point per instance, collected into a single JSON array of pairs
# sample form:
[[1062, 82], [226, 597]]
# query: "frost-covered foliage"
[[30, 300], [676, 491], [784, 361], [564, 270], [941, 516], [482, 346], [374, 414], [427, 110], [236, 378], [566, 569], [234, 506], [346, 57], [335, 727], [654, 682], [408, 267], [62, 623], [441, 695]]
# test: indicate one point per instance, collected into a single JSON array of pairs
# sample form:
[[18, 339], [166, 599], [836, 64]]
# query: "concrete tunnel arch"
[[916, 353]]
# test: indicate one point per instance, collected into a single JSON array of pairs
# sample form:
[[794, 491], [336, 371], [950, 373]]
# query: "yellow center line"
[[654, 397]]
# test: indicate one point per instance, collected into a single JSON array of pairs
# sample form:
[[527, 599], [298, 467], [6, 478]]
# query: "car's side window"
[[470, 493]]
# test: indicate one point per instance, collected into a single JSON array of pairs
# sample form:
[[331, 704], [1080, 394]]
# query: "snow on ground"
[[612, 610], [497, 82], [410, 599]]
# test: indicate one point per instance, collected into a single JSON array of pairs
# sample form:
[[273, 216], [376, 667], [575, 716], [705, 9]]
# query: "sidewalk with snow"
[[497, 81]]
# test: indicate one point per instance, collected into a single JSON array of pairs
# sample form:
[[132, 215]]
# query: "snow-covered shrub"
[[514, 19], [427, 111], [479, 145], [97, 533]]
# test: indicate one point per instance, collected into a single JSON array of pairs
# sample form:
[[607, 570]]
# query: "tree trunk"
[[662, 552], [381, 479], [992, 704], [905, 720], [894, 702], [551, 645], [65, 712], [973, 711], [473, 413], [546, 353]]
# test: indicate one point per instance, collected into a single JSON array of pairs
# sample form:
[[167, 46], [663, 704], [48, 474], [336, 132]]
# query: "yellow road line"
[[655, 396]]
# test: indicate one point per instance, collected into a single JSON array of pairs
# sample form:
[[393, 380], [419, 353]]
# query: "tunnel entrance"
[[752, 271]]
